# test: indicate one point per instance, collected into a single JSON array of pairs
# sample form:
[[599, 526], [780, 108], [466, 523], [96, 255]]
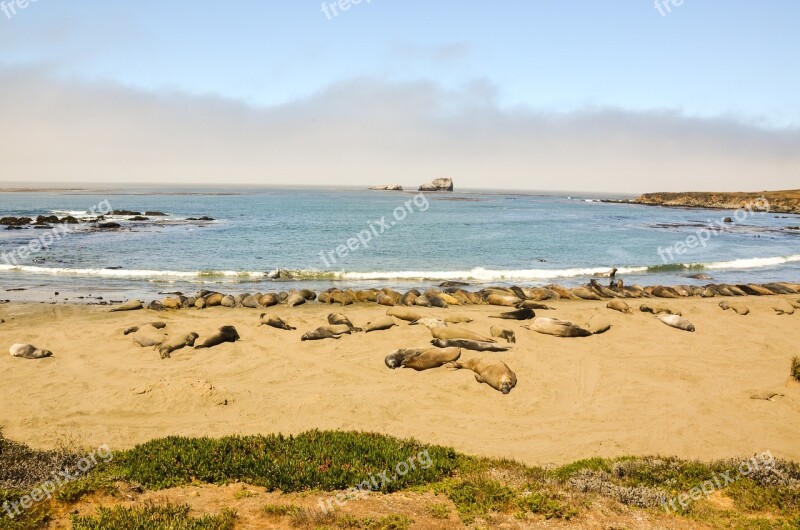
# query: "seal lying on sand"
[[519, 314], [224, 334], [134, 329], [419, 359], [740, 309], [505, 333], [496, 374], [783, 308], [430, 322], [457, 320], [597, 324], [133, 305], [148, 335], [557, 328], [619, 305], [455, 332], [166, 348], [28, 351], [274, 321], [657, 309], [532, 304], [338, 319], [380, 324], [475, 345], [325, 332], [404, 313], [677, 322]]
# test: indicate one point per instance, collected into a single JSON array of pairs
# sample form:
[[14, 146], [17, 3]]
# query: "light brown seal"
[[419, 359], [341, 320], [557, 328], [224, 334], [455, 332], [28, 351], [380, 324], [133, 305], [177, 342], [676, 322], [496, 374], [275, 322], [619, 305], [505, 333], [475, 345]]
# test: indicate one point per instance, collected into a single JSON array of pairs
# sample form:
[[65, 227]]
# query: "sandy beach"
[[642, 388]]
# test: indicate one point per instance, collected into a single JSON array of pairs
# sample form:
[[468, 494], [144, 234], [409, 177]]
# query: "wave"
[[478, 274]]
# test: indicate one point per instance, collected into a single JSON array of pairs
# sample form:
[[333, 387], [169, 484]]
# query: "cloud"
[[367, 131]]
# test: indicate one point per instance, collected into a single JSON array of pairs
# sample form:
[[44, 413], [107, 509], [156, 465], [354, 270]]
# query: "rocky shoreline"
[[787, 201]]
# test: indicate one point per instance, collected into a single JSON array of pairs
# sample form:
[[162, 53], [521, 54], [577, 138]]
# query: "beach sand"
[[642, 388]]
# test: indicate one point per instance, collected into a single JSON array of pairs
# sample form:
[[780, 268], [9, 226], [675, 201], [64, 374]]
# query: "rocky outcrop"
[[779, 201], [445, 184], [388, 187]]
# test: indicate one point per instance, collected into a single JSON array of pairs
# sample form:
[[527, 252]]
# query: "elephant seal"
[[324, 332], [342, 298], [700, 276], [166, 348], [269, 300], [755, 290], [369, 295], [341, 320], [619, 305], [224, 334], [380, 324], [740, 309], [475, 345], [586, 294], [531, 304], [502, 299], [457, 320], [783, 308], [505, 333], [295, 299], [250, 302], [778, 288], [134, 329], [228, 301], [171, 303], [437, 301], [419, 360], [557, 328], [133, 305], [274, 321], [214, 299], [657, 309], [404, 313], [677, 322], [409, 298], [496, 374], [28, 351], [430, 322], [147, 336], [422, 301], [597, 325], [519, 314], [665, 292], [454, 332]]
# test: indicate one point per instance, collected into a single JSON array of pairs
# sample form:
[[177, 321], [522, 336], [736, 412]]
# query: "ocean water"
[[319, 238]]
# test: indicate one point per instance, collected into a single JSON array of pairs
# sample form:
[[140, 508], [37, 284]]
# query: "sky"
[[625, 96]]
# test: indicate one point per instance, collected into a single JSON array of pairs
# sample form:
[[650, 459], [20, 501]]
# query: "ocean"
[[267, 239]]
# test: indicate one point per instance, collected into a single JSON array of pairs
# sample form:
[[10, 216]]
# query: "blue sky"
[[732, 60]]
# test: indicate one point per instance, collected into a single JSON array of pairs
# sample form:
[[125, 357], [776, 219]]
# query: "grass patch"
[[795, 372], [439, 510], [153, 517], [281, 510], [325, 461]]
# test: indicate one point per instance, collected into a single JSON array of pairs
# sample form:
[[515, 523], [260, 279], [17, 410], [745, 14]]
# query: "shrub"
[[153, 517]]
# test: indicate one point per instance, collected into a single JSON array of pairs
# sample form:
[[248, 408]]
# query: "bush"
[[314, 460], [153, 517]]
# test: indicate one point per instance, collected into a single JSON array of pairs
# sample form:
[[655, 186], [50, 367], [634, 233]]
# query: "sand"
[[642, 388]]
